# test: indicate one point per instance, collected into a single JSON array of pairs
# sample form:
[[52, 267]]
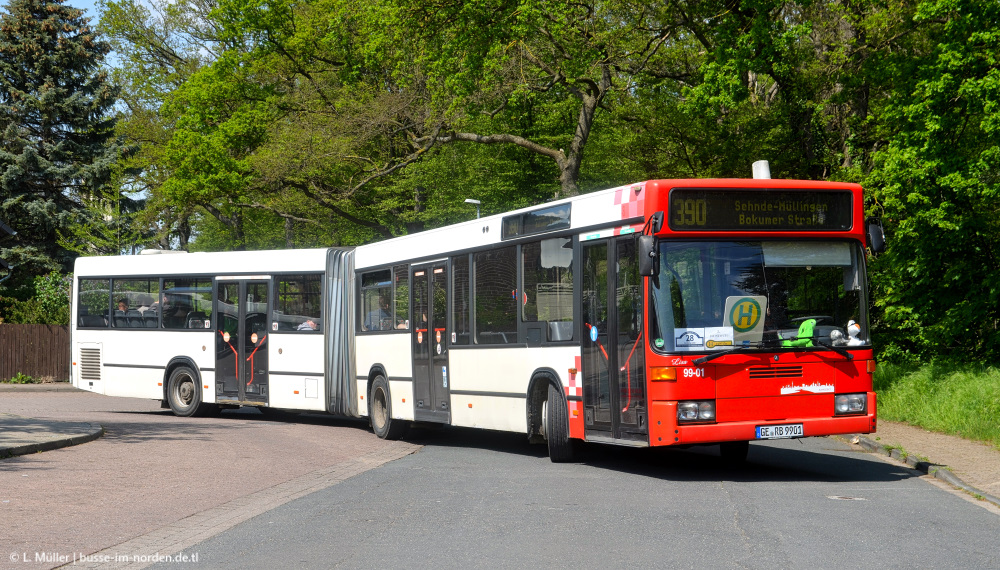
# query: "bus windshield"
[[717, 295]]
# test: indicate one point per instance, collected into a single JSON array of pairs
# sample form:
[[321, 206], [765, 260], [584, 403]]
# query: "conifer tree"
[[57, 139]]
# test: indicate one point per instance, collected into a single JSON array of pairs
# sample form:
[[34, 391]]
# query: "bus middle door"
[[241, 367], [429, 338]]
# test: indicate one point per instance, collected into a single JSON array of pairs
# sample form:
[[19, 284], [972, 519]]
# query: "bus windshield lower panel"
[[773, 295]]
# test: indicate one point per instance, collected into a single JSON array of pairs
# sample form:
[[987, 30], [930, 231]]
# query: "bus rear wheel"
[[380, 411], [184, 393]]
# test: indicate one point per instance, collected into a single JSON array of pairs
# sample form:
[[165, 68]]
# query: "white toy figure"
[[853, 330]]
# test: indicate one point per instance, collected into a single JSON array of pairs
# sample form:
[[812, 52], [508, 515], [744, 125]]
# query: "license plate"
[[779, 432]]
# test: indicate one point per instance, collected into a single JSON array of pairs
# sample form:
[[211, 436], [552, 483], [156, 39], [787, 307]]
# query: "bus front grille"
[[765, 372]]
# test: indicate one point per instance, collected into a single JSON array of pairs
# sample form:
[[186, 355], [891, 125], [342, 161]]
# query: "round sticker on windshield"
[[593, 334], [225, 337], [745, 314], [253, 338], [658, 343]]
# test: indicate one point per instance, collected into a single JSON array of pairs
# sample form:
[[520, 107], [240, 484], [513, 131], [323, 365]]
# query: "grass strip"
[[956, 399]]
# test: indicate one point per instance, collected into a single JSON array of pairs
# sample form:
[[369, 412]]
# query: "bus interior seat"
[[120, 320], [149, 318], [195, 320], [134, 319], [92, 321]]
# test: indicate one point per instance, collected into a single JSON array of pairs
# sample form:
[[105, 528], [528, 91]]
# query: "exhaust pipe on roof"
[[761, 169]]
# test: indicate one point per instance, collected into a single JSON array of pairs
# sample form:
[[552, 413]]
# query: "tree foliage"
[[270, 122], [57, 140], [45, 301]]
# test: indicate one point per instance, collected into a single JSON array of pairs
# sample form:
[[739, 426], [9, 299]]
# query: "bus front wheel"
[[556, 420], [734, 453], [183, 393], [380, 411]]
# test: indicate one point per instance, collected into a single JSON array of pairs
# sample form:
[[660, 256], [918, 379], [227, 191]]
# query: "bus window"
[[460, 294], [135, 301], [186, 303], [376, 301], [94, 303], [401, 295], [298, 303], [547, 269], [496, 296]]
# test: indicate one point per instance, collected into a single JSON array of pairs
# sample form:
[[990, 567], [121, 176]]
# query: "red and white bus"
[[668, 312]]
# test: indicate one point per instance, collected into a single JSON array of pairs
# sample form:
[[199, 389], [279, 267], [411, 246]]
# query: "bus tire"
[[557, 427], [380, 411], [184, 393], [734, 453]]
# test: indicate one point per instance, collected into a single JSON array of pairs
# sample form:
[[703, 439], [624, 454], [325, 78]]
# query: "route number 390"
[[694, 372], [690, 212]]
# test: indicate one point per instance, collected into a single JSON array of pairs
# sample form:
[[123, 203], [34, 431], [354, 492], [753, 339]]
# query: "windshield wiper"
[[715, 355], [836, 349]]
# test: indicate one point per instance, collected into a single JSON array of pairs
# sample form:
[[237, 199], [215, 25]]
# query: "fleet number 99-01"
[[694, 372]]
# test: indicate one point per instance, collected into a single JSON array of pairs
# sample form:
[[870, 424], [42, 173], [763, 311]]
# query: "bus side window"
[[547, 287], [496, 296], [376, 301], [94, 303], [460, 297], [297, 303], [401, 296]]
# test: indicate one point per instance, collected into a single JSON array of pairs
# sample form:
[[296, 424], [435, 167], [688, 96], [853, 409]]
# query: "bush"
[[47, 304]]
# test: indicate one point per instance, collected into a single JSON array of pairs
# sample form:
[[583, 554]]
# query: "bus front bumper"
[[665, 430]]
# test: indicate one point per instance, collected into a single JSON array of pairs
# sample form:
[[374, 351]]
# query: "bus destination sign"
[[722, 209]]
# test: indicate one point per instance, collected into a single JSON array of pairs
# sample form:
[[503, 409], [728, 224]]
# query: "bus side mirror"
[[649, 256], [876, 236]]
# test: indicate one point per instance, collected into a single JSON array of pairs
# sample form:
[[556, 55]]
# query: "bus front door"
[[429, 338], [241, 369], [614, 382]]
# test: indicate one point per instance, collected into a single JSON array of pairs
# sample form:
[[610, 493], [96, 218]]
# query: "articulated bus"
[[663, 313]]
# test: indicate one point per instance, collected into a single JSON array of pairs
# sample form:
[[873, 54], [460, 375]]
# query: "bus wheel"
[[734, 452], [556, 421], [380, 411], [183, 394]]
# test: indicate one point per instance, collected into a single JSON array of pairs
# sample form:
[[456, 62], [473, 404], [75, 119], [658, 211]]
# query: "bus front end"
[[757, 315]]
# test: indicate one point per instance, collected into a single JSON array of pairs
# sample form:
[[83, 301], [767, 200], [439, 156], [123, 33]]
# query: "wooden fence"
[[36, 350]]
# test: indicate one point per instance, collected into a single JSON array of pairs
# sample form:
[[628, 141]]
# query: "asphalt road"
[[480, 499], [151, 470], [245, 490]]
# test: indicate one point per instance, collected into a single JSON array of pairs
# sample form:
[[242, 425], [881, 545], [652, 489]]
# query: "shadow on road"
[[813, 459]]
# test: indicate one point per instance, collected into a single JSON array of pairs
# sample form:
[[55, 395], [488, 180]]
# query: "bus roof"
[[205, 263]]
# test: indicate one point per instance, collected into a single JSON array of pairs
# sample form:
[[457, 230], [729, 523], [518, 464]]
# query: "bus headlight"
[[845, 404], [703, 411]]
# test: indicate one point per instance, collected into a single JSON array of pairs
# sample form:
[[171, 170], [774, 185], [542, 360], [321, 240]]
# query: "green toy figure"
[[804, 338]]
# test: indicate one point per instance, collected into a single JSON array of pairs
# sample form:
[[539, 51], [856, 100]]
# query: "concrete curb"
[[936, 470], [56, 437], [47, 387]]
